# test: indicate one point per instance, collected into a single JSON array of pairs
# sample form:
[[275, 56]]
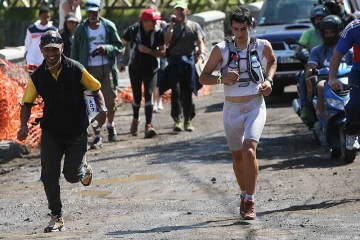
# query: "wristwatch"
[[103, 109], [270, 80]]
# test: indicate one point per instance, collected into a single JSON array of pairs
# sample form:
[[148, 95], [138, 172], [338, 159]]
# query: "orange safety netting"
[[126, 94], [13, 79]]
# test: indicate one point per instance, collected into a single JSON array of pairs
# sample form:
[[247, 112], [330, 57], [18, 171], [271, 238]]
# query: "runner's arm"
[[269, 55], [215, 58]]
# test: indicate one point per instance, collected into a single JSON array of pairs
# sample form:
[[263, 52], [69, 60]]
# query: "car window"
[[286, 12]]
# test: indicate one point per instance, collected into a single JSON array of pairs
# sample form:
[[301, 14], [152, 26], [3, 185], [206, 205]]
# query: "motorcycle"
[[329, 128]]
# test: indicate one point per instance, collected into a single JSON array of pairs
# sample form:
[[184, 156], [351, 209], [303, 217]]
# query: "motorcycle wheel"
[[348, 156]]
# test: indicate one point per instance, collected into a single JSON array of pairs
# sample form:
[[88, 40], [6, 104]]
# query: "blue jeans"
[[352, 108]]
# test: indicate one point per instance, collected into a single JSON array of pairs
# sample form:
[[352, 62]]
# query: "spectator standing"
[[34, 32], [67, 6], [181, 36], [68, 32], [96, 46]]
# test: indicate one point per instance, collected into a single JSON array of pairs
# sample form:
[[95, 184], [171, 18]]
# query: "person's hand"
[[265, 88], [200, 57], [23, 133], [121, 67], [101, 118], [143, 49], [172, 19], [76, 3], [335, 84], [231, 78], [102, 49]]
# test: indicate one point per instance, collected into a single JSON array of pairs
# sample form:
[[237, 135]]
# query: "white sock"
[[248, 197], [243, 193], [110, 125]]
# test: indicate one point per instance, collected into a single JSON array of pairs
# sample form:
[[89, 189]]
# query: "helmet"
[[331, 22], [318, 11], [333, 6]]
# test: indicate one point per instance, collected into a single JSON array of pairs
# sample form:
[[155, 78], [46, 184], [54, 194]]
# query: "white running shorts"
[[243, 121]]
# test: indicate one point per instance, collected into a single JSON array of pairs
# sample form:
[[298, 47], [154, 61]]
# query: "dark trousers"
[[150, 83], [53, 148], [352, 108], [181, 93]]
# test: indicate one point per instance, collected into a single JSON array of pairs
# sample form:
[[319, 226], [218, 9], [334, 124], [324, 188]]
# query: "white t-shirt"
[[97, 37], [32, 42], [77, 12]]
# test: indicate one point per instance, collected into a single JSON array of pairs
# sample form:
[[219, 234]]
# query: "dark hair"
[[43, 9], [241, 14]]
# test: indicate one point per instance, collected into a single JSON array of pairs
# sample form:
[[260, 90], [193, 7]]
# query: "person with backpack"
[[146, 45], [247, 68]]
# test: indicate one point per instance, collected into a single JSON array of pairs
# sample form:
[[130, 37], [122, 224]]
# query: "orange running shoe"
[[250, 212]]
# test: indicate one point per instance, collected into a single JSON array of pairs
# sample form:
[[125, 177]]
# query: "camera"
[[96, 52]]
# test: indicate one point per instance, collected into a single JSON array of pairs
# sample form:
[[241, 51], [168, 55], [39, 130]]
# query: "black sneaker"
[[56, 224], [112, 135], [97, 143]]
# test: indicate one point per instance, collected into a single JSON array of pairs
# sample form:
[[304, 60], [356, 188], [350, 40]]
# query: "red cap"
[[149, 14]]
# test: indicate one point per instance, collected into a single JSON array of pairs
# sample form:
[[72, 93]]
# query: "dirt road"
[[183, 187]]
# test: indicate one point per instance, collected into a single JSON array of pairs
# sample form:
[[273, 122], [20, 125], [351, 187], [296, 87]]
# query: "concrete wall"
[[212, 23]]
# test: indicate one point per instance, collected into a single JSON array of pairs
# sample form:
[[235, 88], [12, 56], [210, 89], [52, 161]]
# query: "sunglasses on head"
[[47, 40]]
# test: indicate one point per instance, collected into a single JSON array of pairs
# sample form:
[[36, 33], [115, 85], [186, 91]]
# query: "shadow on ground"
[[207, 224]]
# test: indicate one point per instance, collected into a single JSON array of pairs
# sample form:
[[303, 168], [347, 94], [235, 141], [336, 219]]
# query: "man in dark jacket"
[[147, 44], [96, 46], [60, 82], [181, 35]]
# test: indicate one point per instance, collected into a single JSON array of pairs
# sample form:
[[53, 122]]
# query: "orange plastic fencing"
[[126, 94], [13, 79]]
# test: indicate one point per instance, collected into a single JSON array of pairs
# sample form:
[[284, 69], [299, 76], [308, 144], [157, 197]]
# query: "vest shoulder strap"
[[233, 50]]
